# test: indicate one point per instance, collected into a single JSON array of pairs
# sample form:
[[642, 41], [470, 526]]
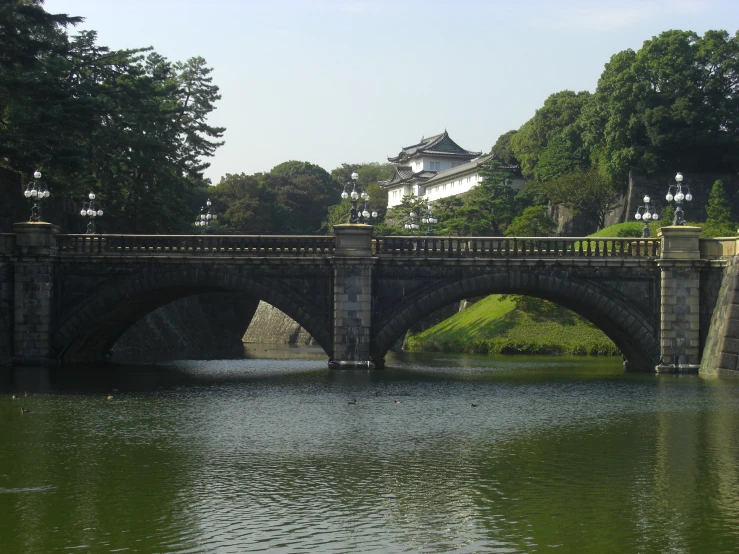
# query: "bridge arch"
[[91, 329], [629, 329]]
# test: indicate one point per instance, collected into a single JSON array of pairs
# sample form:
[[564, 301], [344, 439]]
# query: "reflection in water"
[[269, 455]]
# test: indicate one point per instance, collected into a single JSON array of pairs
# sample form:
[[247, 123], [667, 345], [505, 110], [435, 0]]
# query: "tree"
[[557, 116], [671, 104], [246, 204], [533, 222], [492, 205], [586, 192], [128, 124], [398, 216], [718, 223], [304, 191], [502, 149]]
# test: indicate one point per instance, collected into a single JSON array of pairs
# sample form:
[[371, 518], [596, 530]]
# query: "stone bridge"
[[68, 298]]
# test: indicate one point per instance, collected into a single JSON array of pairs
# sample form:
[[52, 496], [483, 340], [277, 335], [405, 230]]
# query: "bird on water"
[[25, 410], [109, 397], [352, 401]]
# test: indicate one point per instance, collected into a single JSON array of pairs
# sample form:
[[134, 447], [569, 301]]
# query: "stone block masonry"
[[721, 353]]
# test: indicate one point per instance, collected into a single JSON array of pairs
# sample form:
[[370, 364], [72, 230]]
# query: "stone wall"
[[206, 325], [721, 352], [270, 325]]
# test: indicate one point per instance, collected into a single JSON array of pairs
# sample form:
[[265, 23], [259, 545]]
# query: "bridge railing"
[[227, 245], [501, 247]]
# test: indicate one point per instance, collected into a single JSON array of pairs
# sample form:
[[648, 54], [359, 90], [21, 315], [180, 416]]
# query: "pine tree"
[[718, 222]]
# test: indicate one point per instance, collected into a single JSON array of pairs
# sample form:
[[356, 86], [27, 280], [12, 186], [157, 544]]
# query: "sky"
[[333, 81]]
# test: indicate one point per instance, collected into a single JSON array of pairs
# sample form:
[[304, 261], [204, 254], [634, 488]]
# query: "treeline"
[[671, 106], [129, 125]]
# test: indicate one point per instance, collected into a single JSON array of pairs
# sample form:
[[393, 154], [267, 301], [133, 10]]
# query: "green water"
[[565, 455]]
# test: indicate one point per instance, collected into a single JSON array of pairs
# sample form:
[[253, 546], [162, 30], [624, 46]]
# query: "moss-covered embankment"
[[506, 324]]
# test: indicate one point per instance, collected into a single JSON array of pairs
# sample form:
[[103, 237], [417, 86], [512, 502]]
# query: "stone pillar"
[[36, 250], [680, 300], [352, 331]]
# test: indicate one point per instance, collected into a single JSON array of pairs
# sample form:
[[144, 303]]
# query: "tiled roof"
[[404, 174], [442, 176], [439, 145]]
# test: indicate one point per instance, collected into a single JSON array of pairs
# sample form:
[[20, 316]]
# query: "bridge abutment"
[[36, 250], [680, 265], [352, 321]]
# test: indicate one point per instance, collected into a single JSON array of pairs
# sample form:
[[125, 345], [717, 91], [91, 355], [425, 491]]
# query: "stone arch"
[[628, 328], [91, 329]]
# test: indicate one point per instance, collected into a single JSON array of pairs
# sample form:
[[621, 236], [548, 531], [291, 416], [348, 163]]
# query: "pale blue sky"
[[352, 81]]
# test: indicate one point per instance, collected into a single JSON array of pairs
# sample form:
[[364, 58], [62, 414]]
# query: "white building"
[[435, 168]]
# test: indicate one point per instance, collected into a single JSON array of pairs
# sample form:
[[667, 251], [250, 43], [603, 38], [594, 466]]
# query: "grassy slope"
[[513, 324]]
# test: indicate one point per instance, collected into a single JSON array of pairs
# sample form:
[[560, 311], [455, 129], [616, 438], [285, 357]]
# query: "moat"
[[437, 453]]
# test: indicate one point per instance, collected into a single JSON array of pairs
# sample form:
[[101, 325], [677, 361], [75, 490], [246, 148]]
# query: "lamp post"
[[355, 215], [36, 191], [207, 214], [412, 224], [429, 220], [646, 213], [679, 192], [92, 210]]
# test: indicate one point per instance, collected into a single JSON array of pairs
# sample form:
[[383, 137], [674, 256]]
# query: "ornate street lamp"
[[679, 192], [412, 225], [92, 210], [207, 214], [429, 220], [355, 215], [646, 213], [36, 191]]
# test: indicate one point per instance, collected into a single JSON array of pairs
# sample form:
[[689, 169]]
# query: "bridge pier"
[[680, 265], [36, 250], [352, 305]]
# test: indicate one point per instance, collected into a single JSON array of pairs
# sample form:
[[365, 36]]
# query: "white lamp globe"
[[208, 216], [679, 177], [647, 216], [34, 193], [215, 216], [637, 216], [355, 176], [365, 214], [646, 199], [207, 203], [91, 196], [46, 194], [90, 212], [37, 174], [365, 196], [374, 213], [679, 197], [27, 193], [83, 213], [412, 214], [100, 213], [655, 216], [354, 195], [669, 197], [688, 197], [344, 195]]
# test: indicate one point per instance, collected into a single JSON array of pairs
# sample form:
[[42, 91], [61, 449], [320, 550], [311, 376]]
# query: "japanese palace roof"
[[404, 174], [437, 146]]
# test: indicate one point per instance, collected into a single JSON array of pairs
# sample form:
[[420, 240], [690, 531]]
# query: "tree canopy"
[[128, 124]]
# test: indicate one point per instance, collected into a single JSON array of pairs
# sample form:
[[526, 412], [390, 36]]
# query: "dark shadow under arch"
[[629, 329], [92, 328]]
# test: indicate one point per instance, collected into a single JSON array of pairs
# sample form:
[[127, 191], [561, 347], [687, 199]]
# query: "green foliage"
[[128, 124], [512, 324], [630, 229], [399, 215], [671, 104], [492, 205], [584, 191], [558, 117], [665, 218], [533, 222], [718, 223], [502, 149]]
